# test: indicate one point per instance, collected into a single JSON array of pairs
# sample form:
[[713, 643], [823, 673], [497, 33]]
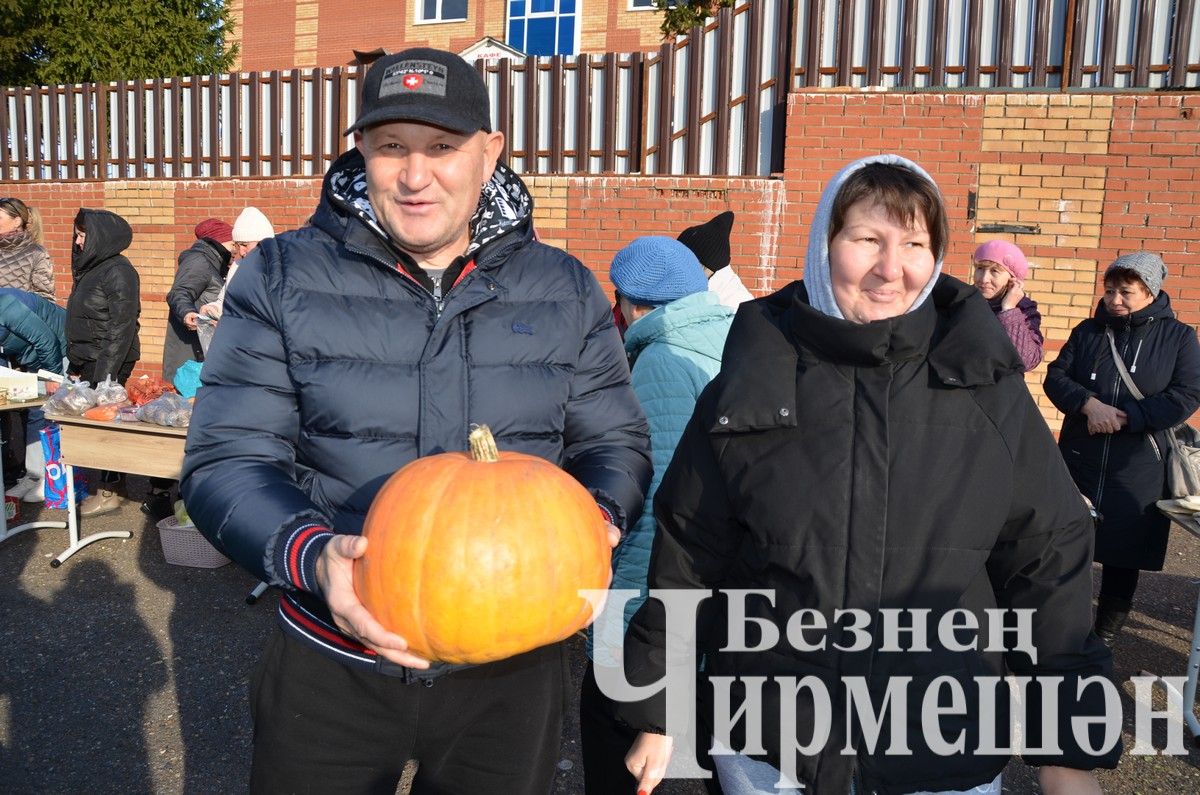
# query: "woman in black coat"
[[869, 445], [102, 320], [1112, 443], [105, 301]]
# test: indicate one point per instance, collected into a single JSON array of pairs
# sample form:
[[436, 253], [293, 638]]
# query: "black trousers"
[[321, 727], [1118, 584]]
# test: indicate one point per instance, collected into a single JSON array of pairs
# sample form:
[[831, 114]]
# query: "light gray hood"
[[816, 260]]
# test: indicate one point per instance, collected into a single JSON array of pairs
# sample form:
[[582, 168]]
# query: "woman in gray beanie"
[[1113, 441]]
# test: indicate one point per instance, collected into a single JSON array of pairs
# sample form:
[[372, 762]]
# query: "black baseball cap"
[[428, 86]]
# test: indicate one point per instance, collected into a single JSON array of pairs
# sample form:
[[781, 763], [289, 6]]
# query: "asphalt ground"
[[122, 673]]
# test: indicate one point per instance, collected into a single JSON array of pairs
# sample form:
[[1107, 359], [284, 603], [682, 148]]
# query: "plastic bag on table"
[[56, 472], [110, 392], [71, 399], [169, 409]]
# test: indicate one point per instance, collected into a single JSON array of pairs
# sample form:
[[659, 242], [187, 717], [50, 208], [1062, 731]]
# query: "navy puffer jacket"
[[332, 368]]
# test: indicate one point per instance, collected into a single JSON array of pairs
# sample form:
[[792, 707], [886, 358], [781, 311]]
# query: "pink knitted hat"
[[1005, 254]]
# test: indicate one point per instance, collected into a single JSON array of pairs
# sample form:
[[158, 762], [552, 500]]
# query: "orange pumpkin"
[[481, 556]]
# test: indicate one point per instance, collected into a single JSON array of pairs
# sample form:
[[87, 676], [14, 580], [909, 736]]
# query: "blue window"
[[443, 10], [542, 27]]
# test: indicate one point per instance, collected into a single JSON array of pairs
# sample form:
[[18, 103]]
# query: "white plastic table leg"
[[78, 543]]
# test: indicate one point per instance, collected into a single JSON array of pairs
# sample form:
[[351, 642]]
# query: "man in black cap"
[[709, 241], [415, 304]]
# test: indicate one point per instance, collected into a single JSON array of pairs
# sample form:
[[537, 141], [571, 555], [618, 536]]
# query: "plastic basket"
[[182, 545]]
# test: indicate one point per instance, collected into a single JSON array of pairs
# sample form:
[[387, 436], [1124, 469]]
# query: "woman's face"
[[991, 279], [877, 266], [9, 222], [1125, 299]]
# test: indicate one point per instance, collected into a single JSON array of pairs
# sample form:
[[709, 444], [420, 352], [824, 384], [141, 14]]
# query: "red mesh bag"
[[146, 388]]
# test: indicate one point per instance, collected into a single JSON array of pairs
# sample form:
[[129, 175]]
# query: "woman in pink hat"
[[1000, 271]]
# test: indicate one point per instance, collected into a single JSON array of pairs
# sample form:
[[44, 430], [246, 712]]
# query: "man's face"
[[424, 183]]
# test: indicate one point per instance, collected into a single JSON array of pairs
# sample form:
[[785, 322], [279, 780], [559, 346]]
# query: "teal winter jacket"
[[674, 352]]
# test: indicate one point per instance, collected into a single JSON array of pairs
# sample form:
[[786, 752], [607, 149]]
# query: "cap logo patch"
[[414, 77]]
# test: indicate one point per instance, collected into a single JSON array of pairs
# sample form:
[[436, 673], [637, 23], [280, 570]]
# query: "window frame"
[[419, 9]]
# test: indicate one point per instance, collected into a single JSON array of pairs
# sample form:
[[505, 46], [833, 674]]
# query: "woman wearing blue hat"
[[676, 333]]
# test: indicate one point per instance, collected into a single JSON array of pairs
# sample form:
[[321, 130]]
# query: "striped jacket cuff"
[[296, 557]]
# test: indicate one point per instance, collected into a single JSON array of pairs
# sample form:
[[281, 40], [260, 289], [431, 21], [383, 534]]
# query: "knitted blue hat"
[[652, 271]]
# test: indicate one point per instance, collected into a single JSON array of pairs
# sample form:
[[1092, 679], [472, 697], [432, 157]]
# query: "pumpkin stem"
[[483, 445]]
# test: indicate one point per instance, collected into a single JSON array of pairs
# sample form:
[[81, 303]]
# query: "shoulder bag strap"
[[1125, 376]]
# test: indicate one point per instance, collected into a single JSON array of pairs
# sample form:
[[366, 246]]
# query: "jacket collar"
[[1158, 309], [505, 205], [955, 331]]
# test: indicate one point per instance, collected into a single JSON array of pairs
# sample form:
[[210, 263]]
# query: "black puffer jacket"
[[198, 280], [1123, 473], [105, 302], [904, 466], [332, 368]]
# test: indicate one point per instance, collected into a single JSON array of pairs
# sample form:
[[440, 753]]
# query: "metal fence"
[[1041, 44], [707, 103]]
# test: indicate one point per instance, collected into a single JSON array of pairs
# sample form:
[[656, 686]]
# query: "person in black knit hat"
[[709, 241]]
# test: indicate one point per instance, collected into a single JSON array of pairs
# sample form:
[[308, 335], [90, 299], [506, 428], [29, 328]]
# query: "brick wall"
[[1097, 174]]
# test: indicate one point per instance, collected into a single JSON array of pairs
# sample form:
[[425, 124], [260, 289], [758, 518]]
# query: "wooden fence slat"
[[1041, 37], [255, 121], [22, 136], [556, 112], [724, 87], [666, 95], [1004, 58], [196, 161], [122, 102], [1108, 51], [160, 163], [812, 47], [1077, 11], [908, 45], [875, 45], [504, 109], [138, 122], [532, 161], [636, 152], [583, 113], [609, 121], [70, 134], [5, 160], [90, 132], [1185, 14], [233, 122], [336, 113], [753, 112], [317, 119], [1141, 47], [176, 87], [845, 42], [36, 130], [939, 43], [974, 42], [53, 94], [276, 115], [694, 97], [214, 126]]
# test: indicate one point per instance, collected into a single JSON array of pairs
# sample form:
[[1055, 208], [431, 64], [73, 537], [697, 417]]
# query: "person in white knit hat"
[[250, 227]]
